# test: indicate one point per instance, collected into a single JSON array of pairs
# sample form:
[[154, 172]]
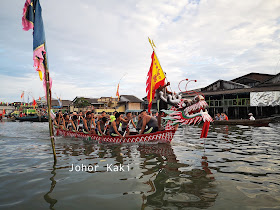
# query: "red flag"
[[22, 95], [155, 78], [34, 103], [118, 93]]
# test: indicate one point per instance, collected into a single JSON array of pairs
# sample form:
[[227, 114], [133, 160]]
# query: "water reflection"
[[47, 196], [165, 181], [238, 166], [171, 187]]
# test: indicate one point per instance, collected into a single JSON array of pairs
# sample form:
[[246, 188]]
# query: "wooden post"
[[47, 79]]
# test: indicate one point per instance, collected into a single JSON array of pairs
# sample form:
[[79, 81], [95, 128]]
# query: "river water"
[[236, 167]]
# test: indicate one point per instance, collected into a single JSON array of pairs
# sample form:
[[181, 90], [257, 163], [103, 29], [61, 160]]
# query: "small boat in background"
[[257, 122], [34, 118]]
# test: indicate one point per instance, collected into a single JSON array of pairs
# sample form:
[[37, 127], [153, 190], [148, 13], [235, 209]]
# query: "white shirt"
[[252, 118]]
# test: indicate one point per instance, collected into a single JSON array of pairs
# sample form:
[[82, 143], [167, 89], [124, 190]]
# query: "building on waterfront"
[[107, 104], [55, 104], [252, 93], [65, 104], [154, 104], [130, 103]]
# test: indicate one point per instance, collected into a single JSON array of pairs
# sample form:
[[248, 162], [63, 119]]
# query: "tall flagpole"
[[47, 80], [153, 45], [32, 19]]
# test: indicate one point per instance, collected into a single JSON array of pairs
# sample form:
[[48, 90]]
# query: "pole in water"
[[47, 79]]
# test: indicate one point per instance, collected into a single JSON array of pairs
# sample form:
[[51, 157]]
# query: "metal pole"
[[47, 79]]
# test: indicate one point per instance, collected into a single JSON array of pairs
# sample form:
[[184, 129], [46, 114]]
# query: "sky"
[[92, 44]]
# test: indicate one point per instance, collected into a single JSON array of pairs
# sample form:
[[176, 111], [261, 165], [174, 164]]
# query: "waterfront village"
[[254, 93]]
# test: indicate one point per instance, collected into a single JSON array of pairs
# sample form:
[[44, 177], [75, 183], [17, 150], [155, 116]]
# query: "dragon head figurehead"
[[188, 111]]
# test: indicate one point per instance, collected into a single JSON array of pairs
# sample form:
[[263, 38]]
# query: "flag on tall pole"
[[22, 95], [32, 19], [118, 93], [155, 78]]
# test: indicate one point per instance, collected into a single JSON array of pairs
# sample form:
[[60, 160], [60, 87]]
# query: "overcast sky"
[[92, 44]]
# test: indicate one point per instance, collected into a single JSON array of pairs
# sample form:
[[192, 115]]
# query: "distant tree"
[[81, 102], [110, 104]]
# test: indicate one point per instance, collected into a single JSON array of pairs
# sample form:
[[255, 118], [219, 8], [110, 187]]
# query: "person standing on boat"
[[161, 104], [150, 122], [115, 125], [251, 116]]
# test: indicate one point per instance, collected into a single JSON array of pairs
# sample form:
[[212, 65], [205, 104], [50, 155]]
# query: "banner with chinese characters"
[[271, 98]]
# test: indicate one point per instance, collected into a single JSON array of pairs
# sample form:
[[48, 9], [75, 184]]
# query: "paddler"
[[125, 125], [149, 121], [101, 126], [87, 123], [69, 124], [92, 123], [115, 125]]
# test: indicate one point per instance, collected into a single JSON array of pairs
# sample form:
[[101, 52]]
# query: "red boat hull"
[[157, 137]]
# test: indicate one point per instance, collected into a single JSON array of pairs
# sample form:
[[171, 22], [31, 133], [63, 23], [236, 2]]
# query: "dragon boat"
[[165, 136], [182, 112]]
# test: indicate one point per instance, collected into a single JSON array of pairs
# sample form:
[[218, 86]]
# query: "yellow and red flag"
[[22, 95], [118, 93], [155, 78]]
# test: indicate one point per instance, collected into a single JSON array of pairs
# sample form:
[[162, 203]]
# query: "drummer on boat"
[[161, 105]]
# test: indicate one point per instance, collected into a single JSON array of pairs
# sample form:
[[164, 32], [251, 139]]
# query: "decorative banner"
[[32, 19], [118, 93], [155, 78], [271, 98]]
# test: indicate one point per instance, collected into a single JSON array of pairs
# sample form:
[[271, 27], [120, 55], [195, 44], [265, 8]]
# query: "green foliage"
[[81, 102]]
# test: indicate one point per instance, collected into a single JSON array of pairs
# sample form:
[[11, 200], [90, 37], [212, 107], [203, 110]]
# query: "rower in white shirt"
[[251, 116]]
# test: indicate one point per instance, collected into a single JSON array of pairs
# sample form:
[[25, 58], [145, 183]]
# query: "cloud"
[[92, 44]]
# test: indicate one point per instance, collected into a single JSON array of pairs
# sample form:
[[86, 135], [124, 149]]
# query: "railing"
[[229, 102]]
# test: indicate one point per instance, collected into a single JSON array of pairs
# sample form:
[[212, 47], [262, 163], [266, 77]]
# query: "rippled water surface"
[[238, 167]]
